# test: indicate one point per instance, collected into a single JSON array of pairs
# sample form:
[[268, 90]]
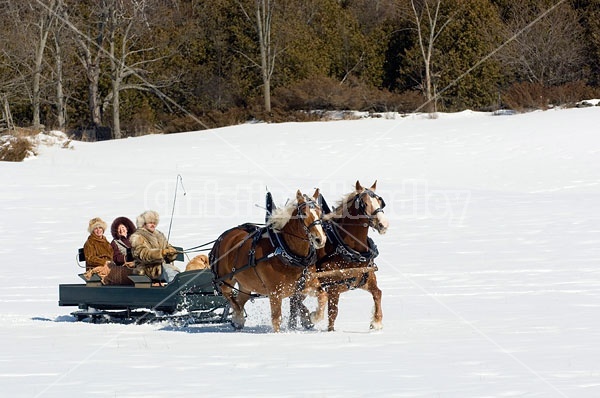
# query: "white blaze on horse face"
[[316, 233], [371, 205], [382, 222]]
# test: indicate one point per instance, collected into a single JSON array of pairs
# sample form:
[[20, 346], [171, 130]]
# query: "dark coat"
[[120, 247], [120, 244]]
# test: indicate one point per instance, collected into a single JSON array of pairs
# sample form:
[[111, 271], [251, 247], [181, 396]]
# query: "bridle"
[[361, 206], [312, 205]]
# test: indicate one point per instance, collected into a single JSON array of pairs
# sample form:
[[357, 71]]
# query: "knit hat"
[[96, 222], [146, 217]]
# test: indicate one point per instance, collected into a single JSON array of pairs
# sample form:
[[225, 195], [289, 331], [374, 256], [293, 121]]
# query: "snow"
[[490, 269]]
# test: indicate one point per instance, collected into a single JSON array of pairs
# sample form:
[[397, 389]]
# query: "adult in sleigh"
[[99, 256], [153, 256], [143, 295]]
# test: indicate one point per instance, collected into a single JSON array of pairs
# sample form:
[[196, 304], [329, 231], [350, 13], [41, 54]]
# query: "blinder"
[[360, 204], [311, 205]]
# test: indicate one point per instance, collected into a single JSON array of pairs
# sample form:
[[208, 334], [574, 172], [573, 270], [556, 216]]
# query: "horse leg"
[[319, 313], [298, 309], [333, 298], [376, 322], [294, 309], [305, 318], [237, 305], [275, 301]]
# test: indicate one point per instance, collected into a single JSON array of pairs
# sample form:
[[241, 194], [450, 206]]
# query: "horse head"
[[371, 205], [309, 212]]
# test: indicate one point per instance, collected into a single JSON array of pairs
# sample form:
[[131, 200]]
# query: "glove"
[[169, 251]]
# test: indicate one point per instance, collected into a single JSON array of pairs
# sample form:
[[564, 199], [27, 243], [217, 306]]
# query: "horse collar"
[[286, 255], [345, 251]]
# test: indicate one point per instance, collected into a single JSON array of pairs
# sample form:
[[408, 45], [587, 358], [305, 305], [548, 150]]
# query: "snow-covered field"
[[490, 270]]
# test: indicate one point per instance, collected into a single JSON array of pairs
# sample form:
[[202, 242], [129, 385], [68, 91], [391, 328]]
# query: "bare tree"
[[6, 120], [90, 35], [61, 106], [264, 11], [45, 20], [127, 56], [546, 44], [120, 34], [28, 26], [429, 24]]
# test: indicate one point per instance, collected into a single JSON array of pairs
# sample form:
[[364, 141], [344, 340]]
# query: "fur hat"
[[126, 222], [146, 217], [96, 222]]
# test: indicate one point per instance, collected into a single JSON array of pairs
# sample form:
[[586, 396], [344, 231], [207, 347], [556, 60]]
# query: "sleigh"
[[191, 298]]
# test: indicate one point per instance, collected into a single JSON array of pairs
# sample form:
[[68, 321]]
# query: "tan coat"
[[97, 252], [147, 250]]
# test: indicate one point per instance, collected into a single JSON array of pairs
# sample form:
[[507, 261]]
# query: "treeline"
[[132, 67]]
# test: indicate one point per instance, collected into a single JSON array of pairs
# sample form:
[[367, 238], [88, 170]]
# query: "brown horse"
[[347, 260], [268, 260]]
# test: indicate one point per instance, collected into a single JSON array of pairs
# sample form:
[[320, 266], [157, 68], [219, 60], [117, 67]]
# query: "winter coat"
[[147, 250], [97, 251], [120, 247], [120, 244]]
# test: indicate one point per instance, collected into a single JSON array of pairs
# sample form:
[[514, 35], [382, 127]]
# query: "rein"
[[199, 248]]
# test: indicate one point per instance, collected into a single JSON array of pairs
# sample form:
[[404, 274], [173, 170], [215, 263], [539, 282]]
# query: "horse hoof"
[[237, 326], [376, 326], [314, 318], [308, 325]]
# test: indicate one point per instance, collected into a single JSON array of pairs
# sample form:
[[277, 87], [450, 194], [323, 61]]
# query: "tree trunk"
[[44, 28], [93, 100], [263, 19], [116, 130], [61, 112], [427, 45]]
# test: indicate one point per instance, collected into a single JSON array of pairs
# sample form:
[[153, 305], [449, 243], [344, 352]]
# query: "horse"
[[347, 260], [269, 260]]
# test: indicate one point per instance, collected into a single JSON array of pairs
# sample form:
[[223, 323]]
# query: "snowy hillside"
[[490, 270]]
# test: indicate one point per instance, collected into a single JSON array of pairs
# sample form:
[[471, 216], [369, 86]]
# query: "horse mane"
[[341, 206], [281, 215]]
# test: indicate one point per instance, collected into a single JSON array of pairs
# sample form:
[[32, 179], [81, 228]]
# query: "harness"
[[340, 247], [346, 252], [280, 247], [256, 233]]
